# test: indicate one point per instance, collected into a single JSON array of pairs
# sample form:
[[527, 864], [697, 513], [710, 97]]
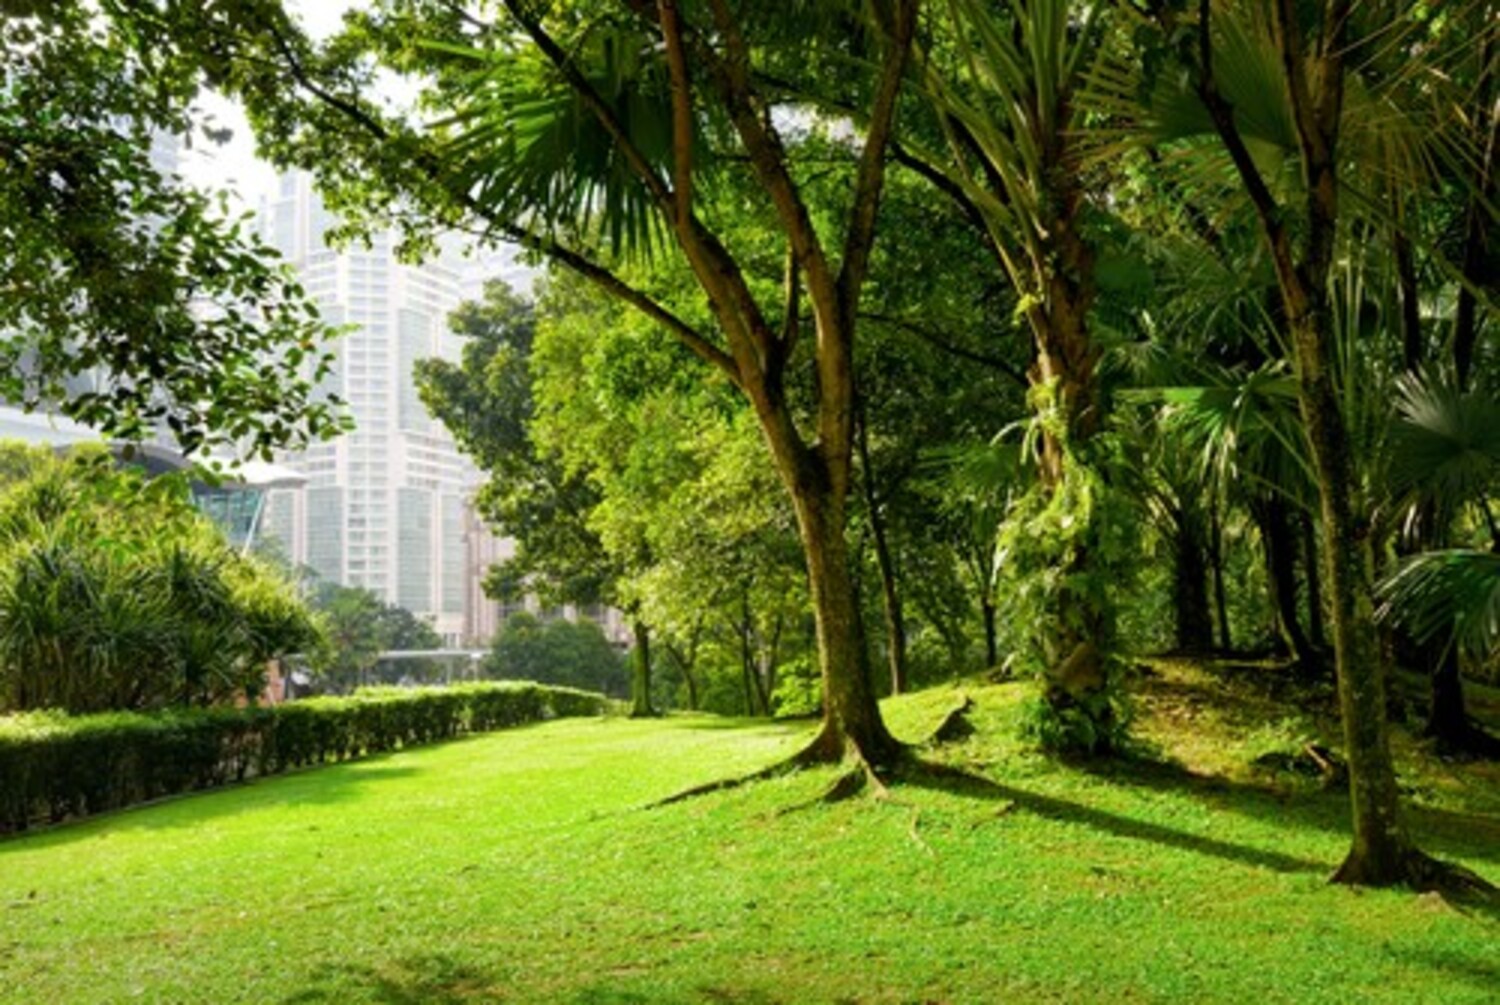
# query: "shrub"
[[54, 766], [115, 593]]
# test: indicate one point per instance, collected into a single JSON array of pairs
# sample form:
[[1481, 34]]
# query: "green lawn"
[[519, 866]]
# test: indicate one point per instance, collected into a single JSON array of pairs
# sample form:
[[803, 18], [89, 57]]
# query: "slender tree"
[[1313, 54]]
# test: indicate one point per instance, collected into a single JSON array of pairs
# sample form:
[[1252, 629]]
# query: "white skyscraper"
[[384, 505]]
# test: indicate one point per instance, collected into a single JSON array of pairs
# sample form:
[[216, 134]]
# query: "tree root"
[[860, 774], [955, 725], [1422, 873], [824, 749]]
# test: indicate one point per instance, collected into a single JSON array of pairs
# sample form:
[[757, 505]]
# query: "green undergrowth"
[[520, 867]]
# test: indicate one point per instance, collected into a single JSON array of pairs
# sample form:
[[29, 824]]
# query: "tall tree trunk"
[[1274, 521], [1316, 633], [640, 671], [1447, 721], [1313, 75], [687, 662], [1194, 625], [895, 626], [851, 715], [987, 610], [1380, 850], [1480, 259], [1216, 563], [1077, 677]]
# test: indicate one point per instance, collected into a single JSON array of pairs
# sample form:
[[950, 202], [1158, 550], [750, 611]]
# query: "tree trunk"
[[1194, 625], [1274, 522], [1447, 721], [1480, 260], [686, 663], [1380, 853], [851, 715], [895, 626], [1316, 633], [991, 654], [1077, 678], [640, 676], [1216, 563]]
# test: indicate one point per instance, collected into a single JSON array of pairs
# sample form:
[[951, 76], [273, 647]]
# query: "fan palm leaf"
[[1449, 596]]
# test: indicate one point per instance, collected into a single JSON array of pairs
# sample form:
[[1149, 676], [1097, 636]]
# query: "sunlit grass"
[[519, 866]]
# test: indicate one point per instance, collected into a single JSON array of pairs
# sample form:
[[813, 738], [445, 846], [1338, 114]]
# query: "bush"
[[54, 766], [115, 593]]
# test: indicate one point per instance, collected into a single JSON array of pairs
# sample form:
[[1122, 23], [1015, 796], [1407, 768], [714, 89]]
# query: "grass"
[[519, 867]]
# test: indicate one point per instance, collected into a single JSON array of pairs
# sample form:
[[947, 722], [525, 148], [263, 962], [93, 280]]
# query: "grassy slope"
[[517, 867]]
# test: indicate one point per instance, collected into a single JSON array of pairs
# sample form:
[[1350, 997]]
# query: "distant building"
[[384, 505]]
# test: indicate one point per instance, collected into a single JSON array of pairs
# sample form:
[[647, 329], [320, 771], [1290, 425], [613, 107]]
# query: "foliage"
[[529, 496], [54, 766], [116, 593], [357, 627], [1062, 553], [562, 652], [133, 301]]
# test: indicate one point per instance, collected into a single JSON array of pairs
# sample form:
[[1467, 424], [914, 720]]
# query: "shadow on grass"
[[710, 721], [1483, 974], [439, 979], [424, 980], [1445, 832], [1052, 808], [318, 785]]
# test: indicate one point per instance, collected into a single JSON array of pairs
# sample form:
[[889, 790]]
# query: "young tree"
[[1004, 89]]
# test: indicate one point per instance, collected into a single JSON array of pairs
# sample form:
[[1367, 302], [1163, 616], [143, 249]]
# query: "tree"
[[355, 631], [1314, 53], [1003, 87], [531, 496], [630, 149], [562, 652], [129, 300]]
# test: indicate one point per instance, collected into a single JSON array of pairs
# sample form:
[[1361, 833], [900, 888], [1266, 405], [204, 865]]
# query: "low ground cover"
[[520, 866]]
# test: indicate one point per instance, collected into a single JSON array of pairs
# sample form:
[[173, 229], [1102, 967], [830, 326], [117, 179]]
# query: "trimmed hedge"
[[54, 766]]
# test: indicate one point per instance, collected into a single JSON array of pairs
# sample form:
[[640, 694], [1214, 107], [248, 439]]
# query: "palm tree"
[[1444, 462], [1298, 87], [1003, 86]]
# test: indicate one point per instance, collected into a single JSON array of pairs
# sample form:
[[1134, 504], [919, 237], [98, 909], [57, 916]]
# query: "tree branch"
[[931, 337], [682, 109], [860, 236], [431, 168]]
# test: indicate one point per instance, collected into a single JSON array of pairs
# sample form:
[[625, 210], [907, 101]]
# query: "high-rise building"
[[384, 506]]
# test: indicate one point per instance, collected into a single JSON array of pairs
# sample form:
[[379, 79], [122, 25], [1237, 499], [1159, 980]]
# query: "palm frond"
[[1452, 597]]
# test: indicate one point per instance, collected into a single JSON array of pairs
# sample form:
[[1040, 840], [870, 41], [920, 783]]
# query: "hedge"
[[54, 766]]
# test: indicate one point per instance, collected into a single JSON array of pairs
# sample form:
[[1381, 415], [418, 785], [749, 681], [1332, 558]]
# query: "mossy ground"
[[519, 866]]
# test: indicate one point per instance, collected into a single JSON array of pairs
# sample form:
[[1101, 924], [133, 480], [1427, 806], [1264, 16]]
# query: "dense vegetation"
[[568, 653], [117, 594]]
